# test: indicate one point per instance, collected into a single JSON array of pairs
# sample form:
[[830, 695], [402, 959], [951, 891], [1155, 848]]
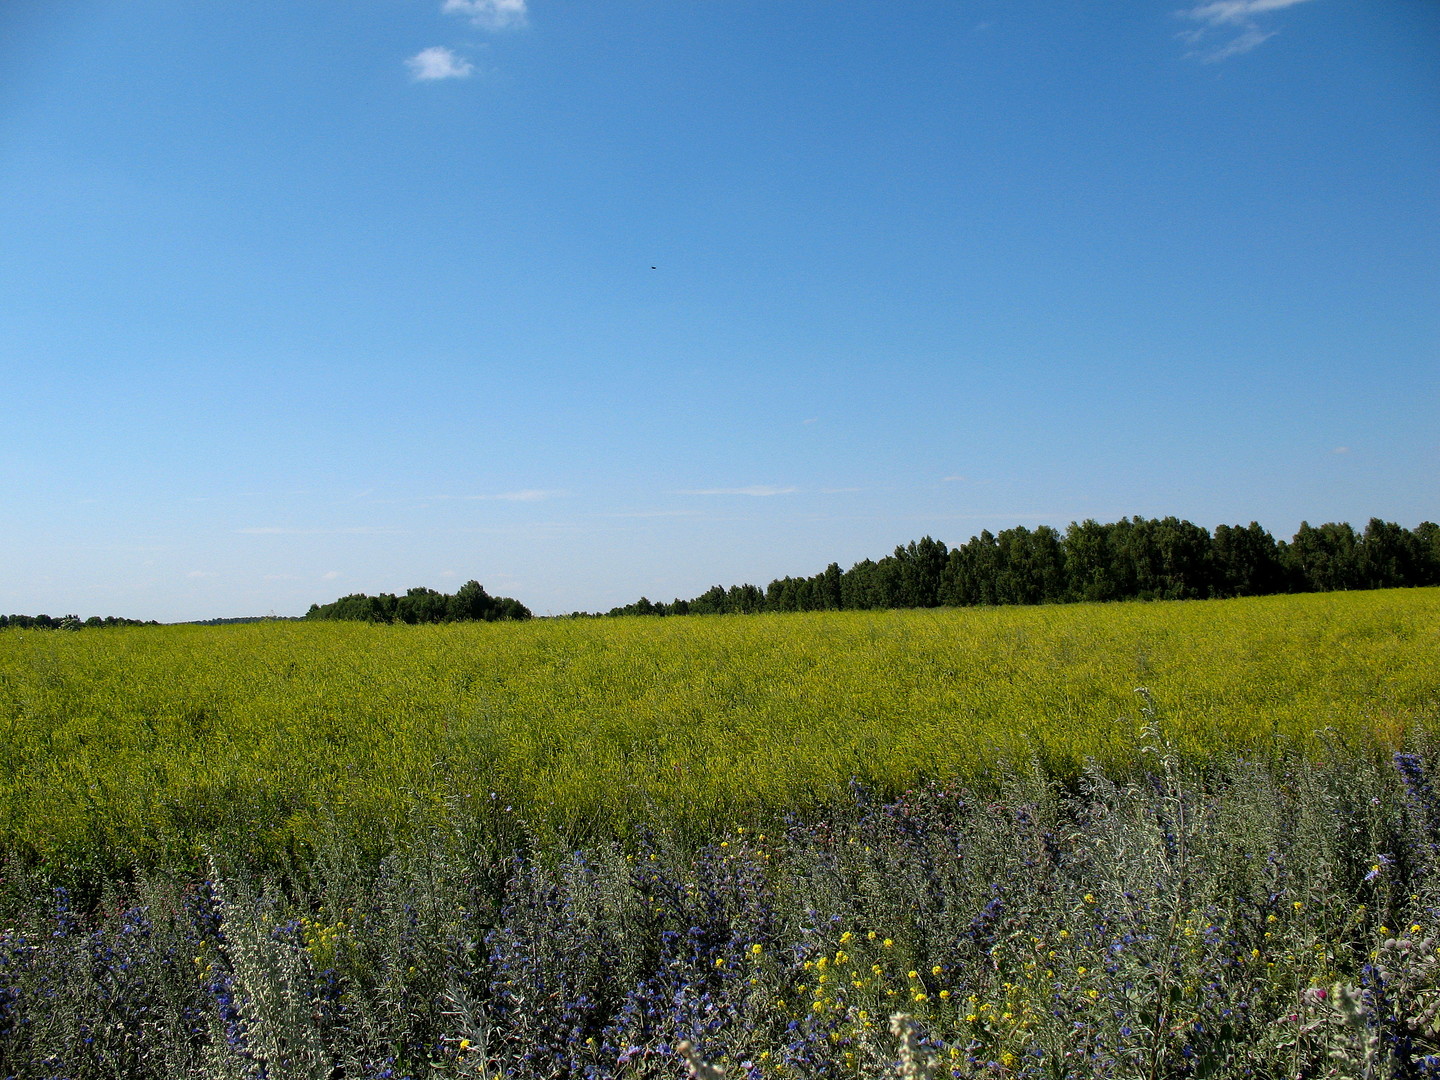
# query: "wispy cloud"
[[534, 495], [1229, 27], [528, 495], [438, 62], [756, 489], [279, 530], [653, 514], [489, 14]]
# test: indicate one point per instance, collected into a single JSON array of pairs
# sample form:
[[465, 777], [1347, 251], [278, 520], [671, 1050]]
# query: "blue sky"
[[590, 301]]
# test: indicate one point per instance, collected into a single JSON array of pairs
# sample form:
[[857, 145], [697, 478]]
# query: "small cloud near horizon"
[[489, 14], [1227, 17], [438, 62], [761, 490]]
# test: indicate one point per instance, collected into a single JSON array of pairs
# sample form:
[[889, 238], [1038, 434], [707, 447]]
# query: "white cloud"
[[330, 575], [1237, 12], [756, 489], [438, 62], [489, 14], [1227, 17], [1244, 43]]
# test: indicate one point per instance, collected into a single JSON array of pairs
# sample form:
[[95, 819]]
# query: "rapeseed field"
[[146, 746]]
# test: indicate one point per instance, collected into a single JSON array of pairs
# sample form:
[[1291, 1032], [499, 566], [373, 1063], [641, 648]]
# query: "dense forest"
[[469, 603], [1131, 559]]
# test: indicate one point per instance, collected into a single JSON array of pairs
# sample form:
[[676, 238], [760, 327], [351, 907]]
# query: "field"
[[144, 745], [558, 848]]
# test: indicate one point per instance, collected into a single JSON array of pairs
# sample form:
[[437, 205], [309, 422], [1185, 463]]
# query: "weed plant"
[[1271, 916]]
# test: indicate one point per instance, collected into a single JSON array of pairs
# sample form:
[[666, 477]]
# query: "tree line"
[[1134, 558], [469, 603], [66, 622]]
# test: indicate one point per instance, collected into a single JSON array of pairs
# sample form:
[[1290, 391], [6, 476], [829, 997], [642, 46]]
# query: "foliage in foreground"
[[1248, 918], [142, 747]]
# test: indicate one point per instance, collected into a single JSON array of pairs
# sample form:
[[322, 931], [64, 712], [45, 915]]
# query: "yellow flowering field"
[[143, 745]]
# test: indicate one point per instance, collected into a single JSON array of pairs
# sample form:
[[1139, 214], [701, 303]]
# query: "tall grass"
[[1248, 919]]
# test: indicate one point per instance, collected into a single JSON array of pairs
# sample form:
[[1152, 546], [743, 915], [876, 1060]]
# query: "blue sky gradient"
[[298, 300]]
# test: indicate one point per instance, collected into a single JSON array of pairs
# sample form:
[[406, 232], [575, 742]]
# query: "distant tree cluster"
[[1131, 559], [469, 603], [66, 622], [242, 619]]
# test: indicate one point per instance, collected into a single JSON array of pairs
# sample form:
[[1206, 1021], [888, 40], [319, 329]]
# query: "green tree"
[[1246, 561], [1177, 562], [921, 571], [1427, 543], [857, 586], [745, 599], [471, 602], [1390, 556], [1326, 559], [1090, 561], [711, 602], [1029, 567]]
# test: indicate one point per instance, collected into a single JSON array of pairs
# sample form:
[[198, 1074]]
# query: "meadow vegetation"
[[143, 746], [560, 848]]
